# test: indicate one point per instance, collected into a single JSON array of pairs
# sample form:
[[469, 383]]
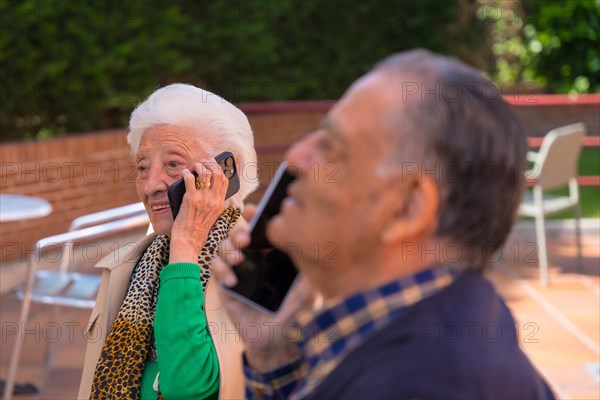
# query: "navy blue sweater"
[[461, 343]]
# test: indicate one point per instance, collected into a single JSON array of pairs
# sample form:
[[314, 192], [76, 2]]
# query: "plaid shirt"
[[340, 327]]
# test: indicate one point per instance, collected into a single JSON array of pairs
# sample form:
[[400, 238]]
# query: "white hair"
[[221, 125]]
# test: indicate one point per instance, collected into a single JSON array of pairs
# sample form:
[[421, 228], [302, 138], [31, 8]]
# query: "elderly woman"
[[150, 332]]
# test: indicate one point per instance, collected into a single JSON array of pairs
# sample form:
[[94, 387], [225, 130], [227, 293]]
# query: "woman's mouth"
[[159, 207]]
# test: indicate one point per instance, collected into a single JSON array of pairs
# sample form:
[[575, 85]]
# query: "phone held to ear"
[[176, 191], [266, 274]]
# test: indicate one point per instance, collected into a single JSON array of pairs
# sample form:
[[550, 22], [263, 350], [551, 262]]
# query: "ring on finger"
[[200, 184]]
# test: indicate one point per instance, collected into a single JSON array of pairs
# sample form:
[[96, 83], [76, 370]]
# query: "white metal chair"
[[554, 167], [63, 287]]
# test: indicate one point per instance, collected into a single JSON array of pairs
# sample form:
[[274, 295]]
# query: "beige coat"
[[117, 268]]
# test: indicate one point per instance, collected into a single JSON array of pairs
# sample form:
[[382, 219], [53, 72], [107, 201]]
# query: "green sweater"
[[187, 359]]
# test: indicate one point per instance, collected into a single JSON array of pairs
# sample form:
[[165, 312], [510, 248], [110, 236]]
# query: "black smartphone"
[[266, 274], [176, 191]]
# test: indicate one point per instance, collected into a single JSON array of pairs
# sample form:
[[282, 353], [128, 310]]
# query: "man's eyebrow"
[[332, 130], [326, 124]]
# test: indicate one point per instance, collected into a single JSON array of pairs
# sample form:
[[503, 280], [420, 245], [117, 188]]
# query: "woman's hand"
[[275, 345], [199, 210]]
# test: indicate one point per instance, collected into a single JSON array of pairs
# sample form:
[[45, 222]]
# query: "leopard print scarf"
[[119, 370]]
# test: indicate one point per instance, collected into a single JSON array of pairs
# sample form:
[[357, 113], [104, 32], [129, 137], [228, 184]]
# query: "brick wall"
[[91, 172], [77, 175], [542, 113]]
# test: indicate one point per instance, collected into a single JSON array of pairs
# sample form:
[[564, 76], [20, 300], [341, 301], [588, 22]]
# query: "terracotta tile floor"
[[558, 325]]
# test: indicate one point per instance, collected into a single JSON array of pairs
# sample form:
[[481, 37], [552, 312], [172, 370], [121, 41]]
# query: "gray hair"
[[468, 137], [224, 127]]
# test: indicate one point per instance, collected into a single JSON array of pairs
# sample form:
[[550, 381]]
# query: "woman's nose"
[[156, 183]]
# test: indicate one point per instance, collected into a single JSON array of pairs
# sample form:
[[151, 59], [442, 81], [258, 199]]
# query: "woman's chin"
[[162, 227]]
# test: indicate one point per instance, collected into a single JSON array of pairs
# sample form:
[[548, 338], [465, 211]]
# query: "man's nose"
[[300, 156]]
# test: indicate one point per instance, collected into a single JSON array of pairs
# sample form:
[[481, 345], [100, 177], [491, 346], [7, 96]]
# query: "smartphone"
[[266, 274], [176, 191]]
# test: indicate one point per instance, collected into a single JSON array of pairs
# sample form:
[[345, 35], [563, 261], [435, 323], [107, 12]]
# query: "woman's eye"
[[141, 169]]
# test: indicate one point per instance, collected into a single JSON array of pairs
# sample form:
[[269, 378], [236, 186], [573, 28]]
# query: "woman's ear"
[[416, 212]]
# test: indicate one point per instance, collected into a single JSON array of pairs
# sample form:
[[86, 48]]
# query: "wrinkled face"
[[337, 205], [165, 150]]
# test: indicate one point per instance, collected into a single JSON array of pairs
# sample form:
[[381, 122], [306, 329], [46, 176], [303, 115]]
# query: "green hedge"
[[549, 45], [74, 65], [69, 66]]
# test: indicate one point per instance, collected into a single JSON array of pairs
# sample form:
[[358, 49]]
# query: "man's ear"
[[416, 214]]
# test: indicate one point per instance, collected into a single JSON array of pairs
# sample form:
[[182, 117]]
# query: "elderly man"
[[429, 162]]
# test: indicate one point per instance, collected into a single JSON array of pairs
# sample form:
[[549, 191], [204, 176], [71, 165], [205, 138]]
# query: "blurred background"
[[73, 66], [72, 71]]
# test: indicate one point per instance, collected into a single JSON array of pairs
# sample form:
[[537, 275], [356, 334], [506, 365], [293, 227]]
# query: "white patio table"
[[15, 207]]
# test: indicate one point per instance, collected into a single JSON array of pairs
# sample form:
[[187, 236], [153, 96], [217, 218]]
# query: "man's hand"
[[274, 345]]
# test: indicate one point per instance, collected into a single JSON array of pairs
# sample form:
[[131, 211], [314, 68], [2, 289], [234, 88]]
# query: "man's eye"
[[174, 164], [141, 169], [325, 144]]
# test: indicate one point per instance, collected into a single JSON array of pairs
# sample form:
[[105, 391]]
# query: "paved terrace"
[[558, 325]]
